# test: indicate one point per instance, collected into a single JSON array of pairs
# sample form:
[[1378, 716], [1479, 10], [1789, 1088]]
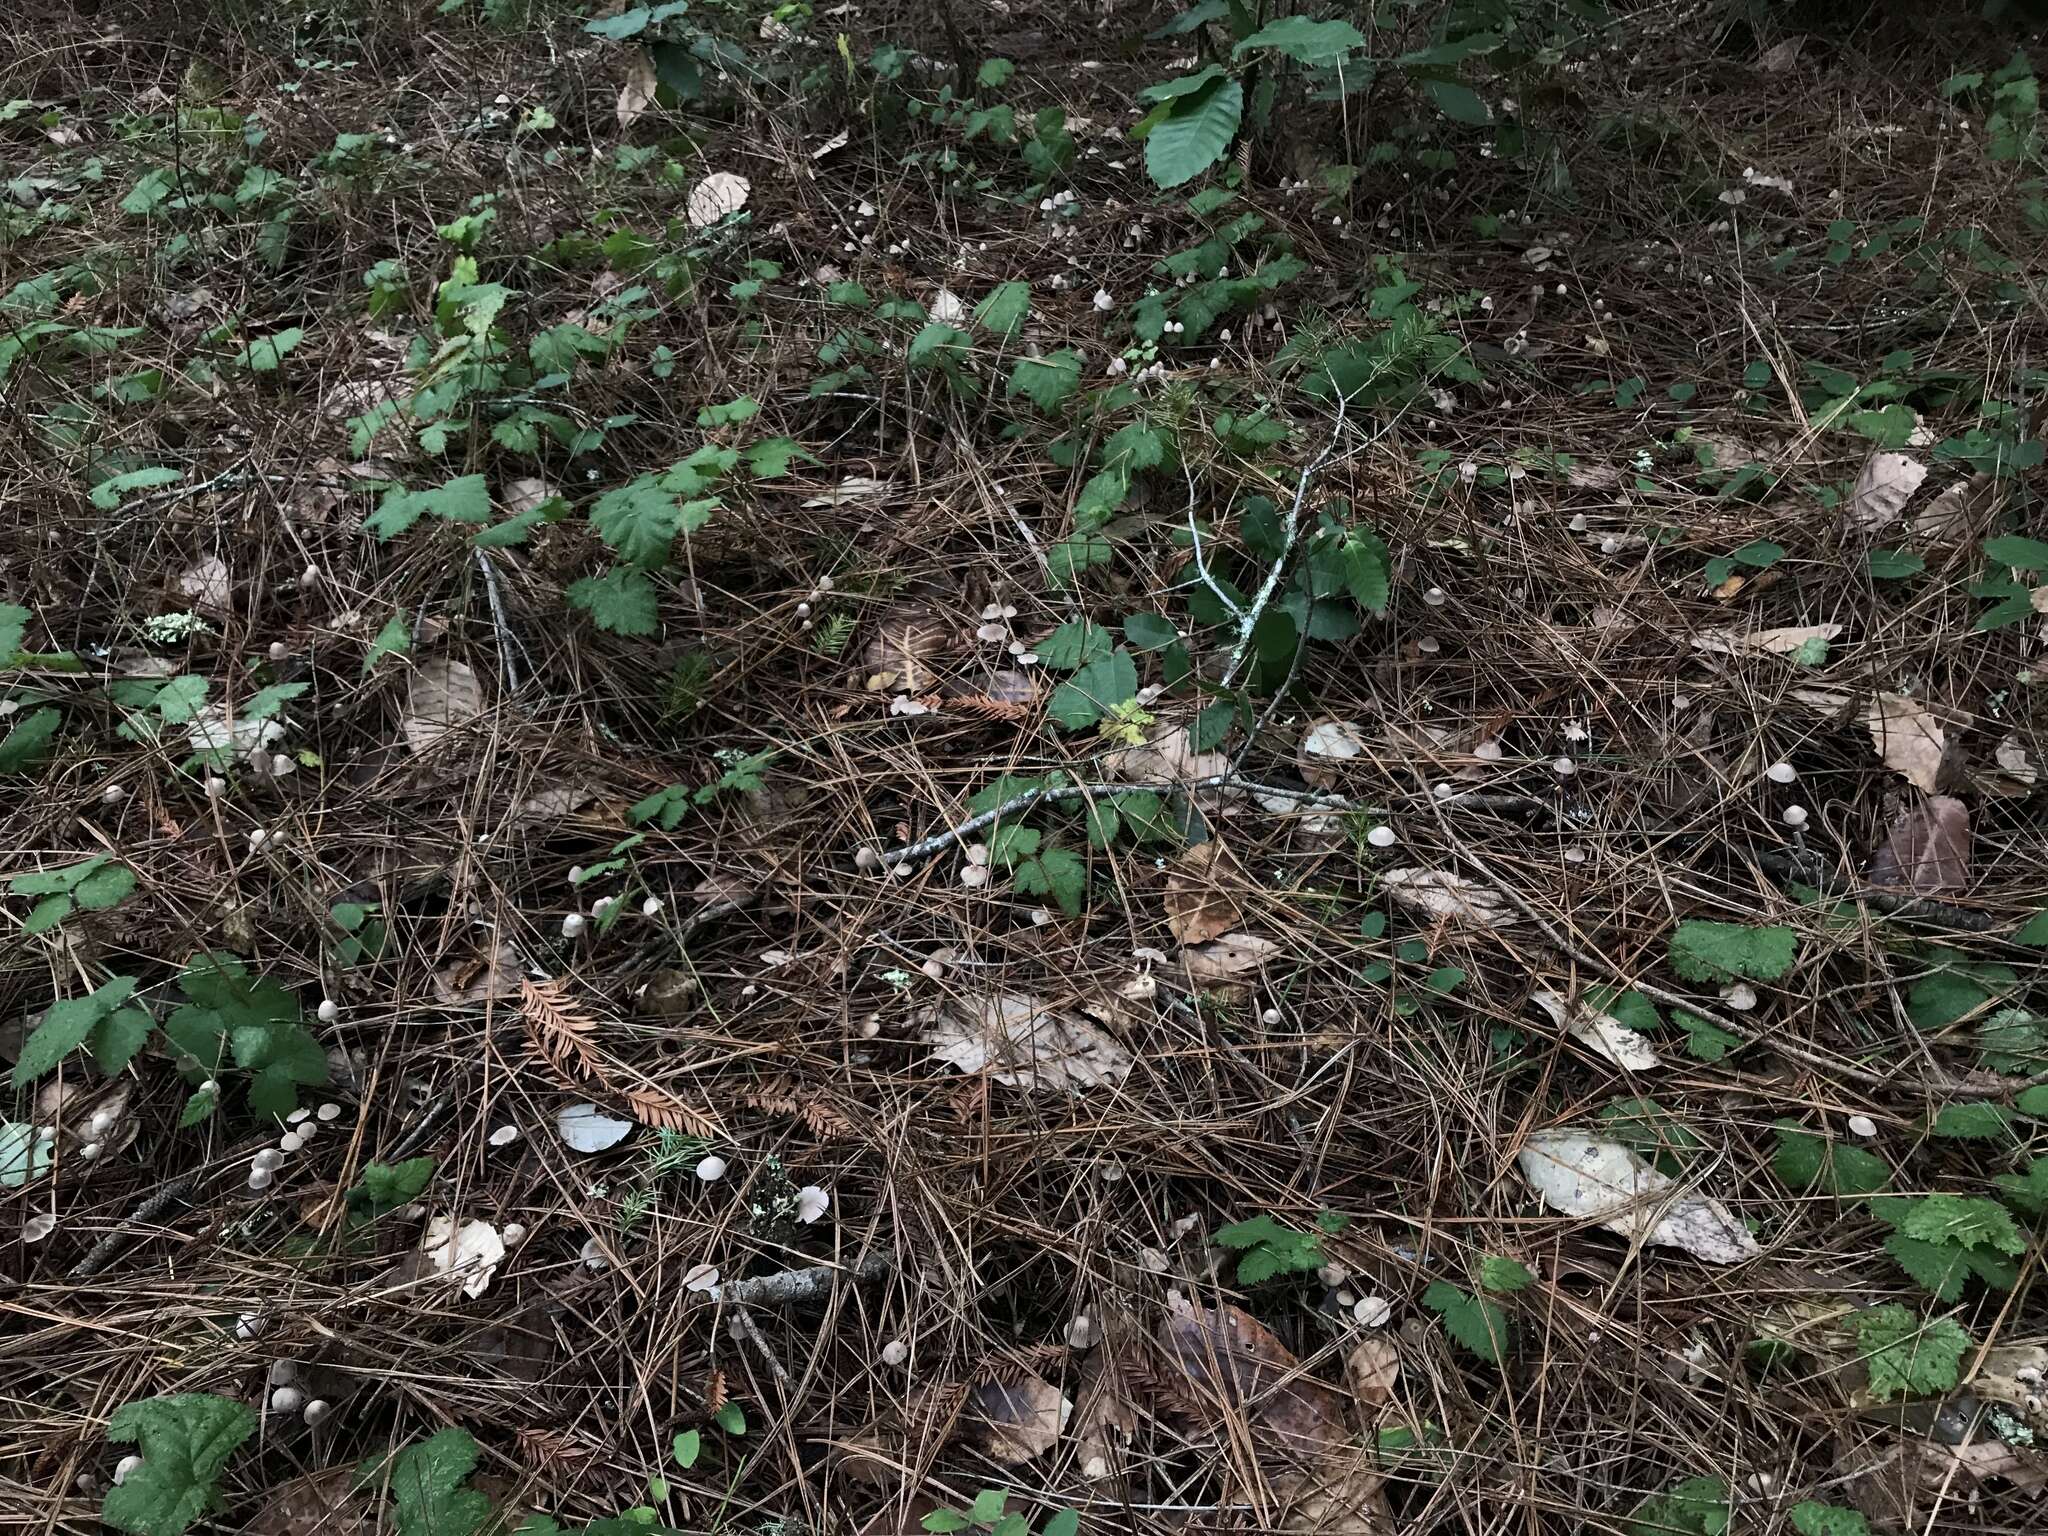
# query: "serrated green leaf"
[[113, 490], [387, 1186], [1906, 1357], [1806, 1161], [394, 639], [1195, 131], [266, 353], [427, 1491], [1503, 1275], [264, 703], [1013, 844], [1893, 564], [1073, 645], [1812, 1518], [1460, 103], [1045, 381], [29, 742], [770, 458], [1005, 310], [117, 1038], [1967, 1221], [466, 499], [1725, 952], [104, 887], [66, 1025], [184, 1440], [1059, 873], [1096, 689], [1478, 1324], [2034, 931], [13, 626], [1972, 1122], [622, 601]]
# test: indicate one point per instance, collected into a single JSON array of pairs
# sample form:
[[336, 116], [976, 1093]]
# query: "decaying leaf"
[[1445, 894], [1228, 957], [899, 657], [586, 1128], [1928, 848], [1908, 738], [1235, 1367], [1198, 909], [445, 696], [206, 585], [1371, 1371], [1956, 513], [714, 197], [1602, 1034], [1025, 1042], [1019, 1419], [1340, 1494], [324, 1503], [1168, 756], [2013, 762], [853, 488], [1602, 1181], [637, 94], [471, 1252], [1887, 482], [1763, 642], [492, 972], [1326, 747]]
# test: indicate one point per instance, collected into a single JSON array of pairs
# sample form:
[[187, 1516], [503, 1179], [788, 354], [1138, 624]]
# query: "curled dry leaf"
[[717, 195], [206, 585], [1197, 908], [528, 493], [637, 94], [1236, 1368], [488, 974], [1450, 896], [852, 488], [1954, 515], [1326, 747], [1928, 848], [1603, 1181], [899, 656], [1340, 1494], [1371, 1371], [1886, 483], [1228, 957], [586, 1128], [471, 1252], [1168, 756], [1602, 1034], [332, 1502], [1019, 1420], [445, 697], [1763, 642], [1025, 1042], [2014, 763], [1908, 738]]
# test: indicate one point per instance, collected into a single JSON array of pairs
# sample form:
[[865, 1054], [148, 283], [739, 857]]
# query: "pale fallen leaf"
[[206, 585], [1766, 642], [472, 1252], [1236, 1368], [1197, 908], [1953, 515], [331, 1502], [1024, 1042], [586, 1128], [1908, 738], [717, 195], [838, 141], [1602, 1034], [1602, 1181], [637, 94], [1228, 957], [1371, 1371], [947, 308], [1167, 756], [852, 488], [1887, 482], [904, 647], [528, 493], [2011, 757], [489, 973], [211, 730], [445, 696], [1020, 1419], [551, 805], [1325, 747], [1781, 57], [1448, 895], [1339, 1494], [1928, 848]]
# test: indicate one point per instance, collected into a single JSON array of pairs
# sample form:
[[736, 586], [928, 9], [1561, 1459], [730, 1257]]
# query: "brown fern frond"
[[559, 1030], [782, 1097], [662, 1110], [715, 1395], [980, 706]]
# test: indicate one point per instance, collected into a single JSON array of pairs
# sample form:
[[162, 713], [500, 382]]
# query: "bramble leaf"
[[185, 1440]]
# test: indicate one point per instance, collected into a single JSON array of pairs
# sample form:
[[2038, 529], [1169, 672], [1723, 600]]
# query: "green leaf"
[[427, 1487], [265, 353], [1066, 1523], [1460, 103], [1367, 569], [1183, 85], [1057, 872], [394, 639], [113, 490], [1096, 689], [1812, 1518], [2029, 1190], [622, 601], [66, 1025], [253, 1018], [1973, 1122], [2025, 554], [1013, 844], [1075, 555], [1005, 310], [731, 1418], [770, 458], [1907, 1357], [1503, 1275], [987, 1508], [185, 1440], [1315, 43], [1697, 1506], [29, 742], [1967, 1221], [1478, 1324], [13, 625], [1805, 1161], [264, 703], [466, 499], [1893, 564], [1195, 132], [387, 1186], [23, 1154], [666, 807], [1145, 631], [2034, 931], [104, 887], [944, 1520], [1045, 381], [116, 1038], [1073, 645], [1724, 952]]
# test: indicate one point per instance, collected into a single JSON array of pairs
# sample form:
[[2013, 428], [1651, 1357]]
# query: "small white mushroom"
[[315, 1411], [290, 1141], [113, 794], [504, 1136], [278, 651], [329, 1111], [1741, 996], [1082, 1332], [812, 1202], [1793, 816], [593, 1255], [572, 925], [1862, 1125], [282, 1373], [1372, 1312], [895, 1352], [701, 1277], [1781, 773], [712, 1169], [38, 1227], [123, 1467], [1564, 768], [651, 907], [90, 1151], [259, 1179], [1382, 837], [287, 1400], [328, 1011]]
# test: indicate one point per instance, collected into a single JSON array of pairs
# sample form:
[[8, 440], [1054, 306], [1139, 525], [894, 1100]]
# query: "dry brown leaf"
[[1228, 957], [445, 697], [1018, 1420], [1235, 1366], [2013, 761], [1197, 908], [637, 94], [1954, 515], [717, 195], [1104, 1420], [900, 656], [325, 1503], [1887, 482], [1444, 894], [1600, 1180], [1928, 848], [206, 585], [487, 975], [1371, 1371], [1168, 756], [1764, 642], [1341, 1494], [1781, 58], [1326, 747], [1908, 738], [1602, 1034], [1024, 1042]]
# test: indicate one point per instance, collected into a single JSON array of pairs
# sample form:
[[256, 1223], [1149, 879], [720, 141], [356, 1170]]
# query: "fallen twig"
[[792, 1286]]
